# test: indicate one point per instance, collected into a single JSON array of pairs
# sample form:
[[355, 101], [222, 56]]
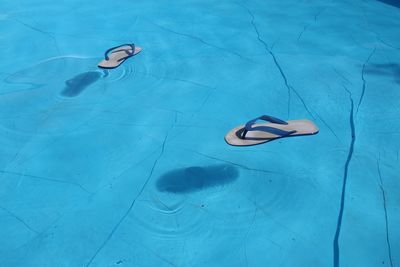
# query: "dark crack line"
[[385, 209], [20, 220], [121, 173], [151, 251], [115, 228], [342, 76], [318, 14], [19, 150], [327, 125], [10, 76], [283, 75], [336, 255], [271, 54], [375, 33], [33, 28], [160, 257], [234, 164], [387, 44], [45, 179], [190, 82], [301, 33], [363, 79], [302, 101], [378, 37], [272, 218], [175, 79], [48, 34], [200, 40], [247, 234], [31, 88], [41, 234], [203, 103], [308, 25], [56, 138]]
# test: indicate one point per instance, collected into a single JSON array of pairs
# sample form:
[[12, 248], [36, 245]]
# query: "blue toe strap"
[[264, 118], [115, 47], [248, 127]]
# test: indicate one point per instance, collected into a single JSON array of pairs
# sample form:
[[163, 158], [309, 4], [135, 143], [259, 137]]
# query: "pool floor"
[[129, 167]]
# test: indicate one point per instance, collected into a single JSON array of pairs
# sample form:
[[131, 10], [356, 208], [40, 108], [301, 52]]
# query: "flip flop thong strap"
[[127, 52], [249, 126], [115, 47]]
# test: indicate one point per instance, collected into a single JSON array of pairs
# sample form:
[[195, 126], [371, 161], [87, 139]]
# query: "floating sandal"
[[258, 133], [115, 56]]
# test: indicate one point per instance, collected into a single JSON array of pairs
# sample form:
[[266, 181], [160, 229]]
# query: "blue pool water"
[[130, 167]]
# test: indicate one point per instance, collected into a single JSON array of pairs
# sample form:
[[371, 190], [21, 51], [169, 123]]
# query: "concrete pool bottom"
[[73, 166]]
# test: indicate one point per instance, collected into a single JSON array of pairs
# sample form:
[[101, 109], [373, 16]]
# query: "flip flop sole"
[[302, 127], [117, 58]]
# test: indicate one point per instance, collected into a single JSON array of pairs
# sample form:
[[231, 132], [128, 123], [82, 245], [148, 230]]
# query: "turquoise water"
[[130, 167]]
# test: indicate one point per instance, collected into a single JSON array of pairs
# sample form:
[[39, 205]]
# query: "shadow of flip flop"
[[193, 179], [79, 83]]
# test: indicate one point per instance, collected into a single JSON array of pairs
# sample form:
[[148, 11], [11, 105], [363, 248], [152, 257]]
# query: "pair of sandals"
[[252, 133]]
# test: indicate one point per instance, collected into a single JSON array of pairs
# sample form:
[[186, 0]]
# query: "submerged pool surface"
[[130, 167]]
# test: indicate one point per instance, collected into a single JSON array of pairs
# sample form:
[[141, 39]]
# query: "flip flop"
[[253, 133], [115, 56]]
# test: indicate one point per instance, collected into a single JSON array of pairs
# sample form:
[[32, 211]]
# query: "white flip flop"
[[115, 56], [253, 133]]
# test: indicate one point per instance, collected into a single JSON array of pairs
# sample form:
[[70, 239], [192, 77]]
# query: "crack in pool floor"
[[235, 164], [45, 179], [363, 79], [278, 66], [19, 219], [48, 34], [251, 226], [115, 228], [309, 24], [329, 127], [336, 252], [200, 40], [387, 44], [175, 79], [385, 210]]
